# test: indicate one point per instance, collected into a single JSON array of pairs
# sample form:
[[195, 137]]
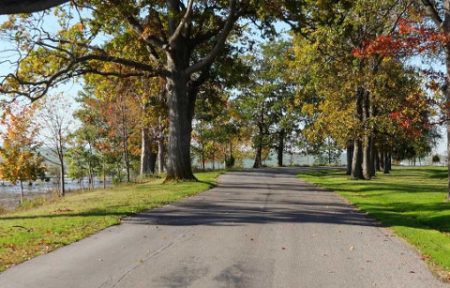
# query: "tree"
[[20, 159], [335, 83], [423, 32], [171, 39], [266, 100], [56, 126]]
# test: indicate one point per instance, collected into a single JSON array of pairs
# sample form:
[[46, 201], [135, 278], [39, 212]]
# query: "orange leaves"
[[412, 117], [19, 159], [408, 39]]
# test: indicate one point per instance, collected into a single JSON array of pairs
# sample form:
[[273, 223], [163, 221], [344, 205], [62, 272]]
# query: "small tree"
[[20, 160], [56, 124]]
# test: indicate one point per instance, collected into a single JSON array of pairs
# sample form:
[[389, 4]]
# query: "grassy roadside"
[[35, 231], [411, 201]]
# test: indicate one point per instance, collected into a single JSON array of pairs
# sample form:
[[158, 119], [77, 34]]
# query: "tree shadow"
[[241, 201]]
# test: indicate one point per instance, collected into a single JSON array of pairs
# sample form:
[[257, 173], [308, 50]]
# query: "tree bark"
[[259, 147], [161, 157], [357, 172], [349, 157], [373, 169], [21, 191], [62, 184], [180, 127], [389, 161], [447, 95], [386, 161], [377, 161], [146, 151], [366, 136], [280, 148]]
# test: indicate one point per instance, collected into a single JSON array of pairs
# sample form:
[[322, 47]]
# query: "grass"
[[32, 231], [411, 201]]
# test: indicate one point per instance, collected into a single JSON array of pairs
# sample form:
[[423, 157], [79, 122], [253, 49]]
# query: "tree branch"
[[27, 6], [220, 41], [432, 11], [185, 20]]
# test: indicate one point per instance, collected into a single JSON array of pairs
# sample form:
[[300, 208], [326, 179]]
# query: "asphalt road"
[[257, 229]]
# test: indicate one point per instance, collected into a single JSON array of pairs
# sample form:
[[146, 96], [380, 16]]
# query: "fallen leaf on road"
[[351, 248]]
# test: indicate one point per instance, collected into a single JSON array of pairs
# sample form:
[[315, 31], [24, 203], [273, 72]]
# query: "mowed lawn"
[[411, 201], [35, 231]]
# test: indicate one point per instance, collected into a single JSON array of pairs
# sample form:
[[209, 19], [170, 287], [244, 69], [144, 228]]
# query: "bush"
[[436, 159]]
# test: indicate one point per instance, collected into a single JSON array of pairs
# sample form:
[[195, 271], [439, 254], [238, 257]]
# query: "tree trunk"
[[357, 170], [60, 152], [447, 94], [259, 146], [62, 193], [349, 157], [366, 138], [357, 160], [104, 177], [389, 161], [180, 127], [372, 158], [152, 164], [21, 192], [203, 159], [127, 159], [146, 151], [280, 147], [377, 161], [161, 156], [386, 168]]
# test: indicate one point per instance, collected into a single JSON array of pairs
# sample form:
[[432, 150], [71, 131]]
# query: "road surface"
[[257, 229]]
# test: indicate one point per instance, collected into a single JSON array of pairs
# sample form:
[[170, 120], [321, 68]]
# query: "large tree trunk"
[[349, 157], [146, 151], [180, 128], [280, 148]]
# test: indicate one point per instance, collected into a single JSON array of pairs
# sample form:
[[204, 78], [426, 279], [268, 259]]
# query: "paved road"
[[257, 229]]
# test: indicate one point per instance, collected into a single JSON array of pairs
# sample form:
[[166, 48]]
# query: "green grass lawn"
[[411, 201], [34, 231]]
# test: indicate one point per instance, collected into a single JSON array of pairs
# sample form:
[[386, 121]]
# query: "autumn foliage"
[[409, 38]]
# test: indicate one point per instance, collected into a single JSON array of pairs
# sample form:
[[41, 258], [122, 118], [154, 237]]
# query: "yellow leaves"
[[79, 27], [308, 109]]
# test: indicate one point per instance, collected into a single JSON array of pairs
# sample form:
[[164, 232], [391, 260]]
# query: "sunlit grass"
[[411, 201], [37, 230]]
